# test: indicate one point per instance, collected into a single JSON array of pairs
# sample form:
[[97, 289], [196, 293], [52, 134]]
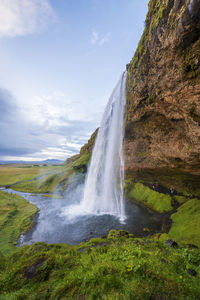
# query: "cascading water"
[[101, 208], [103, 192]]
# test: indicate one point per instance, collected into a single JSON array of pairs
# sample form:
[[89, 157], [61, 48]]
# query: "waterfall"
[[103, 190], [103, 193]]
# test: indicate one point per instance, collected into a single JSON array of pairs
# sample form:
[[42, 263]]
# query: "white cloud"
[[55, 110], [105, 39], [96, 39], [22, 17], [51, 127]]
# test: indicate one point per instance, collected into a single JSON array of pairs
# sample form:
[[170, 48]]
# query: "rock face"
[[163, 90]]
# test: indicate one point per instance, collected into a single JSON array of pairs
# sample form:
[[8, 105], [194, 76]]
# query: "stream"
[[55, 224]]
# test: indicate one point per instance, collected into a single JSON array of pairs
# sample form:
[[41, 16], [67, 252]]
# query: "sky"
[[60, 60]]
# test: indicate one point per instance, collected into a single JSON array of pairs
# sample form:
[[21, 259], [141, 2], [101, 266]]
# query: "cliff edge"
[[163, 90]]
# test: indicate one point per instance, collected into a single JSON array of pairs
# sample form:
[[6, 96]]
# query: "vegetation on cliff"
[[58, 178]]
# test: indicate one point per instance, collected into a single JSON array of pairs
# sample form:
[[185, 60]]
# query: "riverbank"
[[16, 217], [181, 209]]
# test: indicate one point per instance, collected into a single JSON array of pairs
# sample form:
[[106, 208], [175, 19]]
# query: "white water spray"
[[103, 192]]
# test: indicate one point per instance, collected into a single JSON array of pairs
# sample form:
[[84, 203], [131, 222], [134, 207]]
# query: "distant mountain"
[[44, 162], [52, 161]]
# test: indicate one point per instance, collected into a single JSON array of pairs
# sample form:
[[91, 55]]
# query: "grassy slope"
[[156, 201], [59, 178], [15, 218], [10, 174], [186, 223], [112, 268]]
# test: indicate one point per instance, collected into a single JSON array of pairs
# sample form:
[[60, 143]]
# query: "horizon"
[[60, 63]]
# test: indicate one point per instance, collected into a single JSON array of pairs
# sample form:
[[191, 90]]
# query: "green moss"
[[180, 199], [191, 61], [120, 268], [156, 201], [115, 234], [186, 223], [57, 196], [89, 146], [160, 12], [82, 162], [142, 154], [15, 218], [183, 182]]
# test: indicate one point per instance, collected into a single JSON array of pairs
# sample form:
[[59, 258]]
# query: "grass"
[[10, 174], [15, 217], [117, 267], [57, 196], [154, 200], [180, 199], [186, 223], [47, 184], [58, 179]]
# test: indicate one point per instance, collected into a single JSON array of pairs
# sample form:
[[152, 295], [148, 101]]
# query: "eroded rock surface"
[[163, 90]]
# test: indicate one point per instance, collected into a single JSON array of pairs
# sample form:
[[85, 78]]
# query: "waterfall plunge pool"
[[53, 224]]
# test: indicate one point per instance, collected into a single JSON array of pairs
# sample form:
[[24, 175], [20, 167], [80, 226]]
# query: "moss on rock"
[[186, 223], [154, 200]]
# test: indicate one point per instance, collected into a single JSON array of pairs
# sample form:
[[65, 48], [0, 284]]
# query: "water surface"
[[53, 224]]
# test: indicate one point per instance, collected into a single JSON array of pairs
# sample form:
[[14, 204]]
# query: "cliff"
[[163, 90]]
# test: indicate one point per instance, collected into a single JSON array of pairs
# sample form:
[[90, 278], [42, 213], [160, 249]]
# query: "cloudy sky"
[[60, 60]]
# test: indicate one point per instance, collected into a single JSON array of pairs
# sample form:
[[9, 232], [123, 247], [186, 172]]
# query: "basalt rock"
[[192, 272], [163, 90], [171, 243]]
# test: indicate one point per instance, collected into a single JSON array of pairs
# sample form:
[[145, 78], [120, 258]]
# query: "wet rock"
[[104, 237], [118, 234], [171, 243], [192, 272], [124, 233], [31, 271]]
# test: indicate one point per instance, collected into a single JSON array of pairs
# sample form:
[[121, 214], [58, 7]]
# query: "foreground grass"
[[10, 174], [117, 267], [15, 218], [154, 200]]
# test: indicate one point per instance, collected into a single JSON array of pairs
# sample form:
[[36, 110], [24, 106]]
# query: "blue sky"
[[60, 60]]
